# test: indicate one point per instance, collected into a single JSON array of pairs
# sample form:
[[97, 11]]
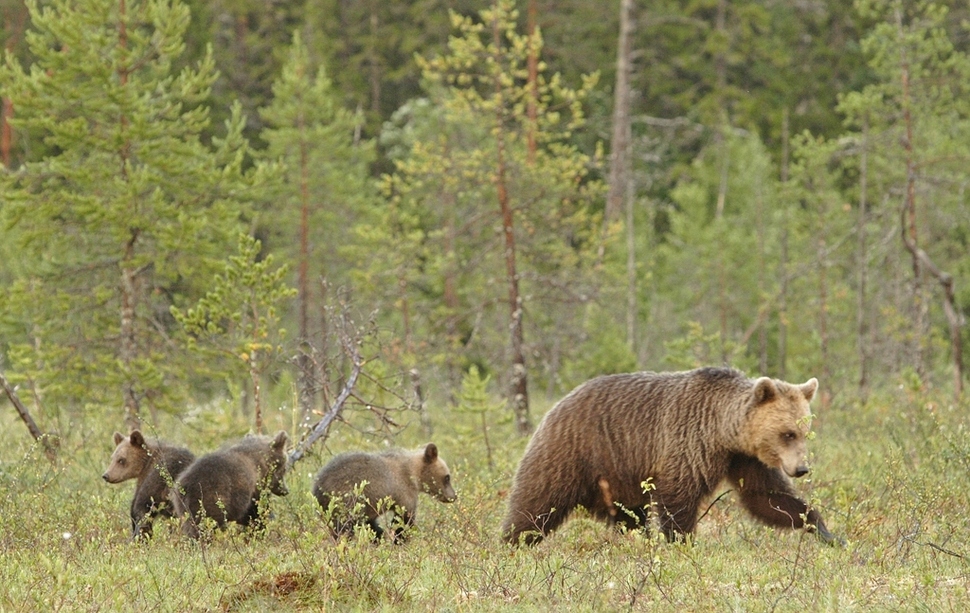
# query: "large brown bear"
[[226, 485], [679, 433], [391, 482], [154, 465]]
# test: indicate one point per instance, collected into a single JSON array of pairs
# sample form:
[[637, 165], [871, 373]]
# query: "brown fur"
[[684, 432], [226, 485], [154, 465], [393, 480]]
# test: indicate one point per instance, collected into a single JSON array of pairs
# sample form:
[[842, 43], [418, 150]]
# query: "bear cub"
[[391, 482], [226, 485], [683, 433], [154, 465]]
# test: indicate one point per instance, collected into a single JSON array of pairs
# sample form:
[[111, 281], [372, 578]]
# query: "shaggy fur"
[[684, 432], [392, 480], [154, 465], [226, 485]]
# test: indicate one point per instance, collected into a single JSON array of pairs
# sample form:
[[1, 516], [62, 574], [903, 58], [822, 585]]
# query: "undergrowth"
[[890, 475]]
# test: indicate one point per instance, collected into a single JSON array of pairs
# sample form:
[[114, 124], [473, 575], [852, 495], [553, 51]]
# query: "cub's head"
[[435, 477], [277, 464], [129, 458], [777, 424]]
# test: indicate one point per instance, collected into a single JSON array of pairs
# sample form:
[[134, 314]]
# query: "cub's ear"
[[764, 390], [430, 453], [137, 438], [809, 388], [280, 441], [118, 438]]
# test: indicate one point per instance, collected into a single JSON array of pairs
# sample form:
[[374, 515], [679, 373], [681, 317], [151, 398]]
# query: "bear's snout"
[[105, 477], [801, 471]]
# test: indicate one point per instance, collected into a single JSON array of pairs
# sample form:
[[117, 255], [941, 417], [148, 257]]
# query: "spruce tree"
[[129, 210]]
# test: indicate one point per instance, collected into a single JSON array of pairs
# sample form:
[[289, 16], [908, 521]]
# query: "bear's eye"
[[789, 436], [447, 479], [122, 461]]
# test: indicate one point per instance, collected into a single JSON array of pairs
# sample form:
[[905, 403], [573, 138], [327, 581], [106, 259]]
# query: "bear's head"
[[435, 477], [777, 424], [129, 458]]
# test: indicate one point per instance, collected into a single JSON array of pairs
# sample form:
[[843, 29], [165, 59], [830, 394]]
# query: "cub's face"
[[435, 476], [777, 425], [128, 459]]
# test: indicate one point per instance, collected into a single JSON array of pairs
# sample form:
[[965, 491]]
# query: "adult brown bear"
[[681, 434]]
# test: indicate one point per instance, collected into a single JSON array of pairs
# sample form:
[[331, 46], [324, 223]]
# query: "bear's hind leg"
[[768, 495]]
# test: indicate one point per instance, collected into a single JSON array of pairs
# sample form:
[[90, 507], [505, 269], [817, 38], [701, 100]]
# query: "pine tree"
[[325, 193], [129, 211], [491, 213]]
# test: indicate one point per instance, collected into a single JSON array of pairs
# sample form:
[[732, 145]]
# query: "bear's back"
[[382, 471]]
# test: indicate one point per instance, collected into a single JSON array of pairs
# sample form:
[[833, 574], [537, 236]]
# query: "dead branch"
[[953, 316], [322, 427], [47, 441]]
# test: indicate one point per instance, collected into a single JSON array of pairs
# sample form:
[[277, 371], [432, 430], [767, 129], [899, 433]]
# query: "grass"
[[891, 476]]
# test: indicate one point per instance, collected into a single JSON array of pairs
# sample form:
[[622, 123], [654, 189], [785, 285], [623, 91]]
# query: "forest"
[[376, 224]]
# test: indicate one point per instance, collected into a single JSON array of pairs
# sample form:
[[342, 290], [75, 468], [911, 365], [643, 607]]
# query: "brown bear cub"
[[681, 434], [226, 485], [154, 465], [391, 482]]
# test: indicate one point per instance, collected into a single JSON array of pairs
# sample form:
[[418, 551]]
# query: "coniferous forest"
[[380, 223]]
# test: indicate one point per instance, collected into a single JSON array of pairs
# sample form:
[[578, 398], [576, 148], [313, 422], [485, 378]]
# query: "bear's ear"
[[764, 390], [430, 453], [280, 441], [118, 438], [809, 388], [137, 438]]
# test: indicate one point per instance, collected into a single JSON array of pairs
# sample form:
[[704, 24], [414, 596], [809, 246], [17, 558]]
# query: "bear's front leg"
[[768, 495]]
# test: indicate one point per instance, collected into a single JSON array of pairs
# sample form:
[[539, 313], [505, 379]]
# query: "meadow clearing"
[[890, 475]]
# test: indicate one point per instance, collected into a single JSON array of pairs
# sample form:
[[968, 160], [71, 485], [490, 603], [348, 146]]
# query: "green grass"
[[891, 476]]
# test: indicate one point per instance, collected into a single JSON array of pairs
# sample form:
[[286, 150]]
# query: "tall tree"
[[919, 104], [538, 222], [128, 213], [325, 192]]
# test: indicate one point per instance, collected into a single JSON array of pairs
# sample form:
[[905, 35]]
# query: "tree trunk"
[[14, 19], [128, 347], [374, 62], [823, 308], [6, 133], [632, 305], [305, 381], [532, 66], [622, 129], [910, 234], [862, 307], [518, 380], [783, 258]]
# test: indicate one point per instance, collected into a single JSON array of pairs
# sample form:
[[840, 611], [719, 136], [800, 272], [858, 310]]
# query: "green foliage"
[[238, 318], [325, 169], [447, 276], [474, 400], [124, 211]]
